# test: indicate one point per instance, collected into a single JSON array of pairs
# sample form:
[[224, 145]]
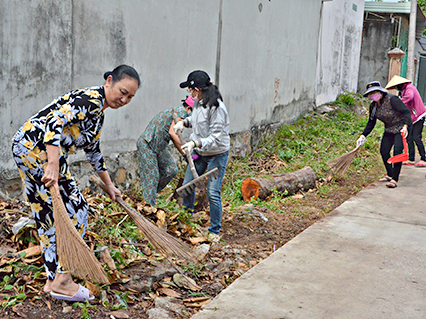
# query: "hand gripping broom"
[[190, 186], [73, 253], [162, 241]]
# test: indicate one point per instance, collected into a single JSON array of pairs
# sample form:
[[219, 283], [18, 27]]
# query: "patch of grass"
[[194, 269], [123, 300], [84, 308], [346, 98], [312, 140], [13, 300]]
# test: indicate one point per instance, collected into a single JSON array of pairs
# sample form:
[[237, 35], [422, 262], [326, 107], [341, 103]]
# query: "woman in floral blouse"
[[72, 121]]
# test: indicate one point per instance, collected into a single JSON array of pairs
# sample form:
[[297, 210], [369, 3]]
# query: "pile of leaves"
[[141, 275], [146, 284]]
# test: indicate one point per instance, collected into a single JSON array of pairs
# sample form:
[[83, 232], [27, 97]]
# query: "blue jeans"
[[203, 164]]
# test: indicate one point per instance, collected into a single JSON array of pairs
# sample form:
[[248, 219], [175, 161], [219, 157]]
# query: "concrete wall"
[[382, 33], [339, 48], [35, 64], [263, 55], [374, 63]]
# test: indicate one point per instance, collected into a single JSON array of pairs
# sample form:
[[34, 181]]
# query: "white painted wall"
[[35, 64], [339, 48], [163, 40], [267, 66], [268, 61]]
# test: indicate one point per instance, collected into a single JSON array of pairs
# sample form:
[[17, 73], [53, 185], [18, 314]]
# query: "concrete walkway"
[[366, 259]]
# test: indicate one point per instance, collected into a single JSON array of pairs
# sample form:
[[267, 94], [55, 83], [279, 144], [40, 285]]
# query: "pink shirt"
[[412, 99]]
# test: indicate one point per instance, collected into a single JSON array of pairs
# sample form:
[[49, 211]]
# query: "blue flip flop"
[[81, 295]]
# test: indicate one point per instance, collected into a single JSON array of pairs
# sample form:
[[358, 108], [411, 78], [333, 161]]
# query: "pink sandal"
[[420, 164], [409, 163]]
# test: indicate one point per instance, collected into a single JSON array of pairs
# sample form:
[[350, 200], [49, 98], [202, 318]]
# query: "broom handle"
[[43, 158], [188, 156], [102, 185], [404, 142], [73, 237], [130, 211]]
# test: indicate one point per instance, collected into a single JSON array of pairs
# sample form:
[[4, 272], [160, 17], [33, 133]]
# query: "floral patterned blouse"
[[72, 121], [157, 131]]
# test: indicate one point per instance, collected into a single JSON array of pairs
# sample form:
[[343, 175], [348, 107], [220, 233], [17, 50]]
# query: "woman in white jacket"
[[209, 140]]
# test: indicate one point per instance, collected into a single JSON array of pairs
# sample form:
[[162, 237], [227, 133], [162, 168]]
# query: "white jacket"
[[210, 129]]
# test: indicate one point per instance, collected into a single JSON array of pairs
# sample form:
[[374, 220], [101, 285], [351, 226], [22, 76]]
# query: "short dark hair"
[[121, 72]]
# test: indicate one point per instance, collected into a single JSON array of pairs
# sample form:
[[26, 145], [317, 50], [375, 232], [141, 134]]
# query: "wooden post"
[[394, 65]]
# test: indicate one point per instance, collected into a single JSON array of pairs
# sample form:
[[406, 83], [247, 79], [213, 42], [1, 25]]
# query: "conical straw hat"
[[396, 80]]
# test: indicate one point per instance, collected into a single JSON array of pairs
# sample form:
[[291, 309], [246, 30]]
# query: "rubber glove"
[[178, 127], [404, 131], [360, 142], [188, 147]]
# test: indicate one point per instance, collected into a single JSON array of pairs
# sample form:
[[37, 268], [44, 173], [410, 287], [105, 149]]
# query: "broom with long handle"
[[162, 241], [73, 253]]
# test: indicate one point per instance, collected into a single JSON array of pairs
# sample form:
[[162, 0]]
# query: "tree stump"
[[254, 188]]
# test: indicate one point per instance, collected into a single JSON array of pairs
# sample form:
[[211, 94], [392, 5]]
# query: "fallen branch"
[[287, 183]]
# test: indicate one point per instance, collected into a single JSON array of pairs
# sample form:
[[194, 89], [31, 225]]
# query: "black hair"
[[400, 87], [184, 104], [121, 72], [210, 95]]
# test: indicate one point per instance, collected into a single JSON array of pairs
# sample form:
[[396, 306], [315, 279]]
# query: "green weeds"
[[194, 269], [312, 140], [84, 309]]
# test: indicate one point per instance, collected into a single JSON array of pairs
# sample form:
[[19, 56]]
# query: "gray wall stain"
[[118, 38], [374, 63]]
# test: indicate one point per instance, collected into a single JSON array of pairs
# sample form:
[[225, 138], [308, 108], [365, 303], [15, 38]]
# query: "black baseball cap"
[[198, 78]]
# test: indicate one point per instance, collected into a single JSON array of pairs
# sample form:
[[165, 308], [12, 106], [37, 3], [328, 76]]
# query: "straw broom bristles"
[[340, 165], [162, 241], [73, 253]]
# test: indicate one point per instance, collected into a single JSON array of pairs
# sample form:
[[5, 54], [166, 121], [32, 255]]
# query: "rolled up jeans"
[[202, 165]]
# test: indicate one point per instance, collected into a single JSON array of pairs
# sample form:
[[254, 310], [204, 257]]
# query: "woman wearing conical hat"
[[412, 99]]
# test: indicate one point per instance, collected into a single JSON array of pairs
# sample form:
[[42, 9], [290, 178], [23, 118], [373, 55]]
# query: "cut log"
[[254, 188]]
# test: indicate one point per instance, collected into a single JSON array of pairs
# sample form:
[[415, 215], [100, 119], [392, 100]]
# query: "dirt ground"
[[250, 234]]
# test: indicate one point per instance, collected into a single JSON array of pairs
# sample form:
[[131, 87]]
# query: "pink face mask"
[[375, 97], [190, 101]]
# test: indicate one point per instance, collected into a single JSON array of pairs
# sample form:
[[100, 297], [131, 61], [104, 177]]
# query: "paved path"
[[366, 259]]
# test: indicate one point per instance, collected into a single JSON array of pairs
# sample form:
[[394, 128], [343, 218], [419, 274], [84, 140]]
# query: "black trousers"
[[416, 137], [389, 140]]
